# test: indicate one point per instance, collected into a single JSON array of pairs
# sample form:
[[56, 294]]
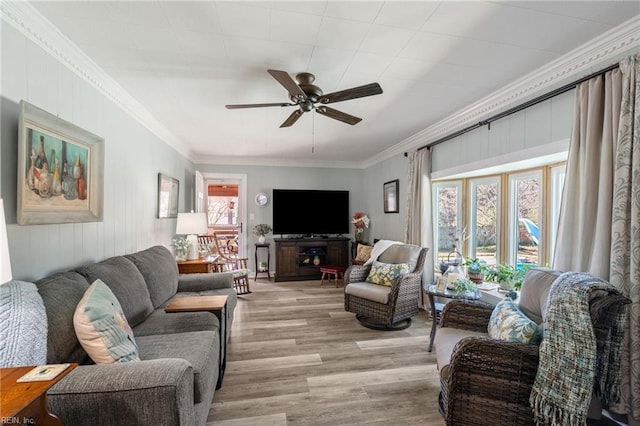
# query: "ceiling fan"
[[305, 95]]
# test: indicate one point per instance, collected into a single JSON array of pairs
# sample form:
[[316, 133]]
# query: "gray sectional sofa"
[[180, 353]]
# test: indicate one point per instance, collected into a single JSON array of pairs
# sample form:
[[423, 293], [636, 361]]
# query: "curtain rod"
[[517, 108]]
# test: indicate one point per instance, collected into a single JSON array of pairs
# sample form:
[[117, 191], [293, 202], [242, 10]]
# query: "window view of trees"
[[484, 219], [477, 231], [527, 196], [448, 207], [222, 210]]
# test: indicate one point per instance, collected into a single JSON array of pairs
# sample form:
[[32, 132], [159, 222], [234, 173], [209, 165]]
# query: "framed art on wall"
[[390, 196], [168, 189], [60, 170]]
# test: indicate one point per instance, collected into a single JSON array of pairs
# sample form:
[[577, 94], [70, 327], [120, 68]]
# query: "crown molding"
[[269, 162], [32, 24], [592, 56]]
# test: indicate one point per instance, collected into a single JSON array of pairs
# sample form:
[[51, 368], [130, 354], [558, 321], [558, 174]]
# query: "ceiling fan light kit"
[[305, 95]]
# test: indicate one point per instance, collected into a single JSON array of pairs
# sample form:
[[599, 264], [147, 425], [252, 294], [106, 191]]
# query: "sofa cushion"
[[101, 327], [445, 341], [374, 292], [384, 273], [160, 271], [510, 324], [126, 282], [161, 322], [535, 292], [61, 293], [401, 253], [200, 348]]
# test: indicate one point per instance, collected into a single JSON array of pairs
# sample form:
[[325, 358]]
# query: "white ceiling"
[[185, 60]]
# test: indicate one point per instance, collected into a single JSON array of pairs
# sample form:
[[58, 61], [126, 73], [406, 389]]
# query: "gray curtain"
[[419, 227], [584, 228], [599, 227], [625, 233]]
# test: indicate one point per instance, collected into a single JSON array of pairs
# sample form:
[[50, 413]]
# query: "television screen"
[[304, 211]]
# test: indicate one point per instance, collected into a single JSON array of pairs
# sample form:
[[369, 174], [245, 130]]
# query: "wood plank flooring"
[[296, 358]]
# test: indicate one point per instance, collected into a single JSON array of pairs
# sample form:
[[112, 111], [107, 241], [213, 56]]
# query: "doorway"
[[223, 197]]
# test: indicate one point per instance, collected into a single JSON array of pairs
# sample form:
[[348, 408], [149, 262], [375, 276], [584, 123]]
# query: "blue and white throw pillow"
[[102, 328], [510, 324]]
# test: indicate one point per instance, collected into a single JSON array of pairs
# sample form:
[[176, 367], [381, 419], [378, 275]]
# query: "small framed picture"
[[441, 284], [168, 188], [390, 196]]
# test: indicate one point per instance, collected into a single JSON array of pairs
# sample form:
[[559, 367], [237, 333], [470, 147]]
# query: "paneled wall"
[[133, 158], [539, 130], [388, 226]]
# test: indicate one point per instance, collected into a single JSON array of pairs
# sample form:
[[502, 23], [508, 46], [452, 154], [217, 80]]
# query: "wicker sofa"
[[486, 381], [382, 307]]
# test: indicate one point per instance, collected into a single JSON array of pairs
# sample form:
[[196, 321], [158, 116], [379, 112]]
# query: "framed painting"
[[390, 196], [168, 188], [60, 170]]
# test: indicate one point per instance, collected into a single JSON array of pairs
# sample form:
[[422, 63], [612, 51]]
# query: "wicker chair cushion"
[[384, 273], [535, 292], [401, 253], [510, 324], [446, 339], [373, 292]]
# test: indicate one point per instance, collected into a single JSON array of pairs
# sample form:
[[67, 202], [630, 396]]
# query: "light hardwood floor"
[[297, 358]]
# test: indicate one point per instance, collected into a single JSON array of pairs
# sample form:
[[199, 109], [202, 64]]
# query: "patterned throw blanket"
[[23, 325], [578, 353]]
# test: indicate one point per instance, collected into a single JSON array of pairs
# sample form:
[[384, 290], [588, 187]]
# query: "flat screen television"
[[310, 212]]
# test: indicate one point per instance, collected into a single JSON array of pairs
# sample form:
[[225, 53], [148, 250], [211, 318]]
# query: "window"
[[484, 213], [557, 183], [448, 214], [509, 218], [525, 219]]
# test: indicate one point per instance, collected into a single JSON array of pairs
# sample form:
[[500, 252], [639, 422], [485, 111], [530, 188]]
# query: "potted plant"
[[463, 285], [475, 269], [182, 246], [261, 230], [507, 276]]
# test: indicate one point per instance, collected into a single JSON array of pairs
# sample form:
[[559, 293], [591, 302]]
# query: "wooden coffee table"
[[215, 304], [26, 402]]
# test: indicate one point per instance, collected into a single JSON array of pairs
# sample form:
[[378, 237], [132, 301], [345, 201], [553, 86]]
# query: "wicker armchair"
[[486, 381], [386, 308]]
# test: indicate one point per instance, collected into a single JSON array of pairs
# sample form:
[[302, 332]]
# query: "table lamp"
[[192, 224], [5, 261]]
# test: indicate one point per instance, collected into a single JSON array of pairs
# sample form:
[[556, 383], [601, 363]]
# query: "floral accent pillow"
[[363, 254], [385, 273], [510, 324], [102, 328]]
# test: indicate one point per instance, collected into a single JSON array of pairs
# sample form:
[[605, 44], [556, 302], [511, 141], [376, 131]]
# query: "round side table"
[[436, 308]]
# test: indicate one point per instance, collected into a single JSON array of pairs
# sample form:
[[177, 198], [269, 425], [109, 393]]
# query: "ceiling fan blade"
[[338, 115], [292, 118], [353, 93], [288, 83], [280, 104]]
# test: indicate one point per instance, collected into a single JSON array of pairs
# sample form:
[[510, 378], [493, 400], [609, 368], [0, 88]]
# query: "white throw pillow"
[[102, 328]]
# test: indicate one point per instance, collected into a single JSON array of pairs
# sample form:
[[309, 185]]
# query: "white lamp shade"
[[5, 261], [191, 223]]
